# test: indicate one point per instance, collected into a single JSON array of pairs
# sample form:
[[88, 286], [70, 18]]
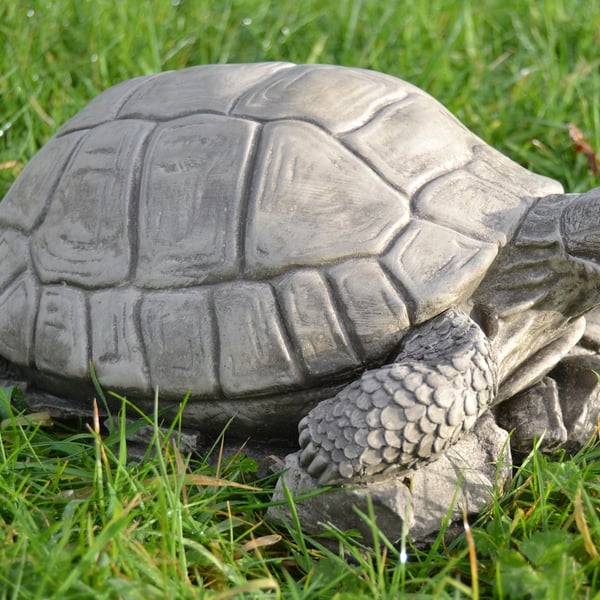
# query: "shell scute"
[[486, 200], [105, 106], [255, 352], [191, 201], [438, 266], [179, 335], [413, 141], [84, 238], [13, 255], [26, 201], [305, 92], [117, 350], [374, 307], [61, 334], [317, 332], [18, 306], [209, 88], [307, 202]]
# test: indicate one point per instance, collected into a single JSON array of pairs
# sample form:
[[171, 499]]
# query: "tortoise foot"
[[405, 413]]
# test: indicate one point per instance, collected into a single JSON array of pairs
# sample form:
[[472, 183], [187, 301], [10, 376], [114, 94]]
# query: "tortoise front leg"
[[407, 412]]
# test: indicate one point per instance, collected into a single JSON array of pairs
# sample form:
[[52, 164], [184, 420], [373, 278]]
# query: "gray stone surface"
[[530, 414], [579, 395], [269, 237], [414, 502]]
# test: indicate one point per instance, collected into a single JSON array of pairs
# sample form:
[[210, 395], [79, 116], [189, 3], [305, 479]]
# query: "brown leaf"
[[582, 146]]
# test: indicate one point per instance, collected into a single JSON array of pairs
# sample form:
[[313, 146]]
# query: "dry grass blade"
[[261, 542], [472, 556], [248, 588], [582, 525], [41, 112], [202, 480], [42, 418], [10, 164]]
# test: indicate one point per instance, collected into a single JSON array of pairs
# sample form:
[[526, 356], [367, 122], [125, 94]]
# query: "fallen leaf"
[[582, 146]]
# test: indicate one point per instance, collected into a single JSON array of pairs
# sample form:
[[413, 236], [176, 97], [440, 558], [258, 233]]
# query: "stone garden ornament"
[[299, 247]]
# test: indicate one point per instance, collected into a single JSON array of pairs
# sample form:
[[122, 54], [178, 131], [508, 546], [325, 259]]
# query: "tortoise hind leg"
[[407, 412], [534, 413], [535, 409]]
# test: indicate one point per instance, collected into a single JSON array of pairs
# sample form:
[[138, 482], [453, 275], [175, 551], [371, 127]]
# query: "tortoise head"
[[553, 263], [580, 226], [543, 281]]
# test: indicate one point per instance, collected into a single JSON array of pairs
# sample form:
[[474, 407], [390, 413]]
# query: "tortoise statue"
[[294, 246]]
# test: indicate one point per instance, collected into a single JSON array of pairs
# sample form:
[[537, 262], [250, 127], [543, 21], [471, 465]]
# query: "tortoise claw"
[[304, 438], [331, 474], [308, 456], [318, 464]]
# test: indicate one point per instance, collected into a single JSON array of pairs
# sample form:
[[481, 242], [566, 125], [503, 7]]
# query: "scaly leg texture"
[[407, 412]]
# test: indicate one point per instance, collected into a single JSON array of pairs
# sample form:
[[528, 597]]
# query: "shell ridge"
[[216, 344], [245, 210], [289, 335], [87, 326], [372, 165], [399, 287], [147, 80], [439, 222], [262, 84], [122, 99], [344, 319], [258, 84], [138, 116], [398, 102], [398, 235], [287, 338], [82, 128], [134, 203], [137, 326], [33, 332]]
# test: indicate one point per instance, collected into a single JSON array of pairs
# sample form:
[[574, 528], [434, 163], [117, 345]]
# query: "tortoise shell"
[[247, 231]]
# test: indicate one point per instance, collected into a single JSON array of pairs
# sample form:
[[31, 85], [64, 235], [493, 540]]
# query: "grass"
[[516, 73], [78, 520]]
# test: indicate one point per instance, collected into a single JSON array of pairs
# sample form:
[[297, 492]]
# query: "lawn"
[[79, 520]]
